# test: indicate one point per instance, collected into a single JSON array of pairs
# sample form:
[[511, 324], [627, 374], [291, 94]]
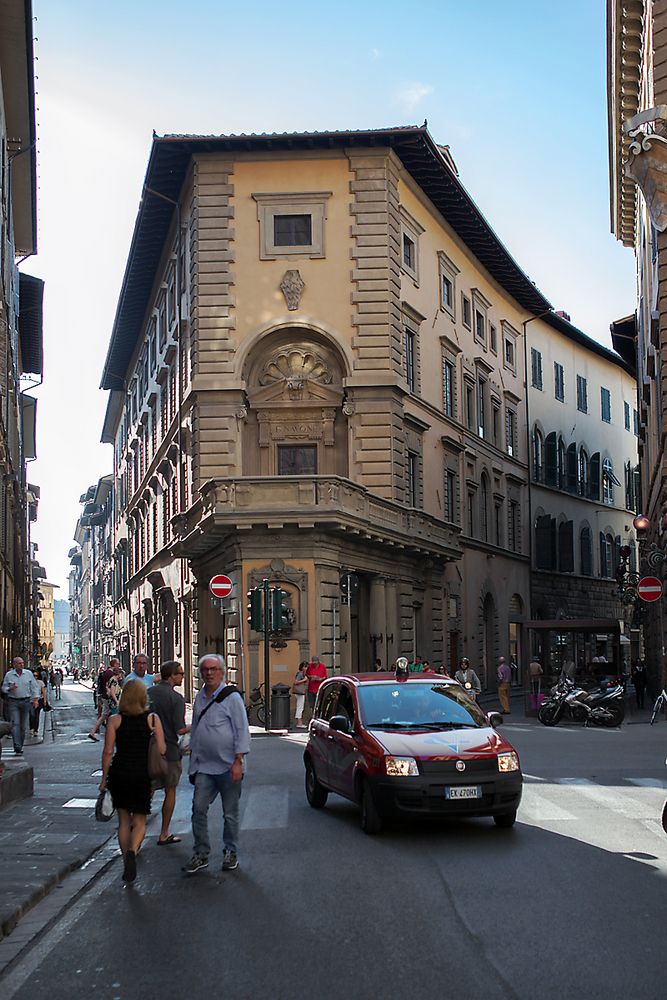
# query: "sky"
[[516, 89]]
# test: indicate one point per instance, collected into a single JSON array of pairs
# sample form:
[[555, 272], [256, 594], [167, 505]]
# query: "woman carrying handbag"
[[125, 768]]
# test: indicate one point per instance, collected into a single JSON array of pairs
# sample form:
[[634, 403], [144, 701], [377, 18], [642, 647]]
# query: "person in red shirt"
[[316, 672]]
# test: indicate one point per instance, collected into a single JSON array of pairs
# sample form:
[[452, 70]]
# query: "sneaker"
[[130, 867], [229, 861], [194, 864], [19, 753]]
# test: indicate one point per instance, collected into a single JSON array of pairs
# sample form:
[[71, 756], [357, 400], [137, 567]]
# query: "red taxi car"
[[416, 747]]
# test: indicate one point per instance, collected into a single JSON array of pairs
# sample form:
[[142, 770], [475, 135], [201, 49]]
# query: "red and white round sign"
[[220, 585], [649, 588]]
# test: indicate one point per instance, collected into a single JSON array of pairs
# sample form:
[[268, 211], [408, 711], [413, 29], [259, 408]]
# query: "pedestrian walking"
[[468, 679], [42, 702], [139, 670], [219, 742], [299, 686], [504, 683], [59, 677], [125, 769], [169, 706], [316, 672], [639, 680], [22, 693], [106, 705]]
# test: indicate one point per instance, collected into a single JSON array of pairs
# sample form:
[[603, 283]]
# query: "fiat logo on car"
[[460, 765]]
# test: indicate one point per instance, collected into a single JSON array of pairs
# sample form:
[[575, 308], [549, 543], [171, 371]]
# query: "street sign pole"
[[267, 678]]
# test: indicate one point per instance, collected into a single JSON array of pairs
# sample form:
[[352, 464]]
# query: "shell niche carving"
[[295, 366]]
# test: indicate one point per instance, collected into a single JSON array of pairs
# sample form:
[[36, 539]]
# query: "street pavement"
[[568, 903]]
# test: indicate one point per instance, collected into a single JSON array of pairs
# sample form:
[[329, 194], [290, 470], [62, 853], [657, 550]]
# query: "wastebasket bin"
[[280, 706]]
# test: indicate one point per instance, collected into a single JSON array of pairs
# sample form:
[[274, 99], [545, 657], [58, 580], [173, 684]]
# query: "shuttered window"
[[566, 547], [586, 552], [536, 368], [545, 542]]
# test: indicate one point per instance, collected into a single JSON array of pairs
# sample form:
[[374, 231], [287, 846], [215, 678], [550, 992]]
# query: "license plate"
[[464, 792]]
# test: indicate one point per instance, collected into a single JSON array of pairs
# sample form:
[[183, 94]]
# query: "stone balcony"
[[323, 502]]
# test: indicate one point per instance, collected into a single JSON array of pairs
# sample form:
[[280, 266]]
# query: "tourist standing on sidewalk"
[[638, 674], [22, 693], [41, 701], [316, 672], [125, 771], [59, 678], [139, 668], [504, 681], [219, 742], [169, 706], [299, 686]]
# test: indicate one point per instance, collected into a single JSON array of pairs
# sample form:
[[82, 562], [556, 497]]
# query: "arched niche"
[[295, 424]]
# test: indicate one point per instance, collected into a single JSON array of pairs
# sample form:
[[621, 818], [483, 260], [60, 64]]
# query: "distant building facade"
[[61, 616]]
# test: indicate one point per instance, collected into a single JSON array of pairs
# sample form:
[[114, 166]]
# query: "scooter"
[[603, 706]]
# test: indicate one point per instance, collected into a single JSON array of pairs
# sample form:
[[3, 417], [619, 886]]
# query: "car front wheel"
[[371, 821], [316, 793], [505, 821]]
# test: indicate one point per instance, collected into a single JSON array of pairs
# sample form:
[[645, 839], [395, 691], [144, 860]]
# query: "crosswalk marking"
[[266, 808]]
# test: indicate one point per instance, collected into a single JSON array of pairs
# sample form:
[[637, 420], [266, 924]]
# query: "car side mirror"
[[340, 723], [496, 719]]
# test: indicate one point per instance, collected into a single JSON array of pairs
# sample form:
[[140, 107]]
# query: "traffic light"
[[281, 613], [255, 616]]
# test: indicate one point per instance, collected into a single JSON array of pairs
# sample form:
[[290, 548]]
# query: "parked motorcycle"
[[603, 706]]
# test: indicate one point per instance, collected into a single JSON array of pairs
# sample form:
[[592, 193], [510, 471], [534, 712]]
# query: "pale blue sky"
[[516, 89]]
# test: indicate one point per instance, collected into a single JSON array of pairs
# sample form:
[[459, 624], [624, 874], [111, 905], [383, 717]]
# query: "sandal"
[[95, 739], [171, 839]]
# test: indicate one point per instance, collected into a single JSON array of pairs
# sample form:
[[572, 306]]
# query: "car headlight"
[[401, 767], [508, 762]]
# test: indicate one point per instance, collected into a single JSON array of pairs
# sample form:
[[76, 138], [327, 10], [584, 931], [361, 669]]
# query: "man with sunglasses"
[[169, 706]]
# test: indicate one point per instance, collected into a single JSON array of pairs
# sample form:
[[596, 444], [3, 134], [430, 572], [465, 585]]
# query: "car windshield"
[[418, 706]]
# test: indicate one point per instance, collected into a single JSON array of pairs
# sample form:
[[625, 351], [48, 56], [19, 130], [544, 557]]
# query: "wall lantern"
[[641, 522]]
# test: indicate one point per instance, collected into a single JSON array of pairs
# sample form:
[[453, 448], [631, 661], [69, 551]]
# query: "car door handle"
[[330, 737]]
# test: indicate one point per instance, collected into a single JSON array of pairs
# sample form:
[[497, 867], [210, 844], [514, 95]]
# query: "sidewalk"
[[54, 832]]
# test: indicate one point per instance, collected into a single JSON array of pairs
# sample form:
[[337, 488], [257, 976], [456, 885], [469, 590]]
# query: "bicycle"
[[257, 705], [660, 705]]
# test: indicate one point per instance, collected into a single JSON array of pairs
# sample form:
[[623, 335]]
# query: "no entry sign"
[[220, 585], [649, 588]]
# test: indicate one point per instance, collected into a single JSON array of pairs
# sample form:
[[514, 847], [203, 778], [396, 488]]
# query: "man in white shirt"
[[22, 692], [139, 668]]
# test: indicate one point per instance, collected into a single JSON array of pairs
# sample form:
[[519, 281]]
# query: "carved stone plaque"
[[292, 287]]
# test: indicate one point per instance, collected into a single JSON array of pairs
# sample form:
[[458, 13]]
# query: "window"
[[493, 338], [606, 555], [171, 295], [538, 456], [471, 514], [498, 530], [291, 224], [484, 508], [447, 290], [586, 552], [635, 422], [495, 407], [466, 311], [297, 460], [480, 326], [410, 368], [410, 233], [448, 387], [481, 407], [448, 273], [510, 431], [509, 353], [583, 473], [545, 542], [566, 547], [608, 481], [626, 415], [409, 253], [470, 407], [559, 382], [536, 368], [450, 496], [510, 338], [513, 526], [152, 345], [412, 468], [605, 405], [582, 394], [293, 230]]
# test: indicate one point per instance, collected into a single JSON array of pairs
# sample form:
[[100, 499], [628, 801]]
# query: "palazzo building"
[[316, 376]]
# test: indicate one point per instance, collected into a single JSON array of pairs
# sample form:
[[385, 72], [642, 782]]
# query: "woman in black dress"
[[126, 775]]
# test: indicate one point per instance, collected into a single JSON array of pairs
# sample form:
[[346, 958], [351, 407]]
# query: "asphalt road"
[[568, 903]]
